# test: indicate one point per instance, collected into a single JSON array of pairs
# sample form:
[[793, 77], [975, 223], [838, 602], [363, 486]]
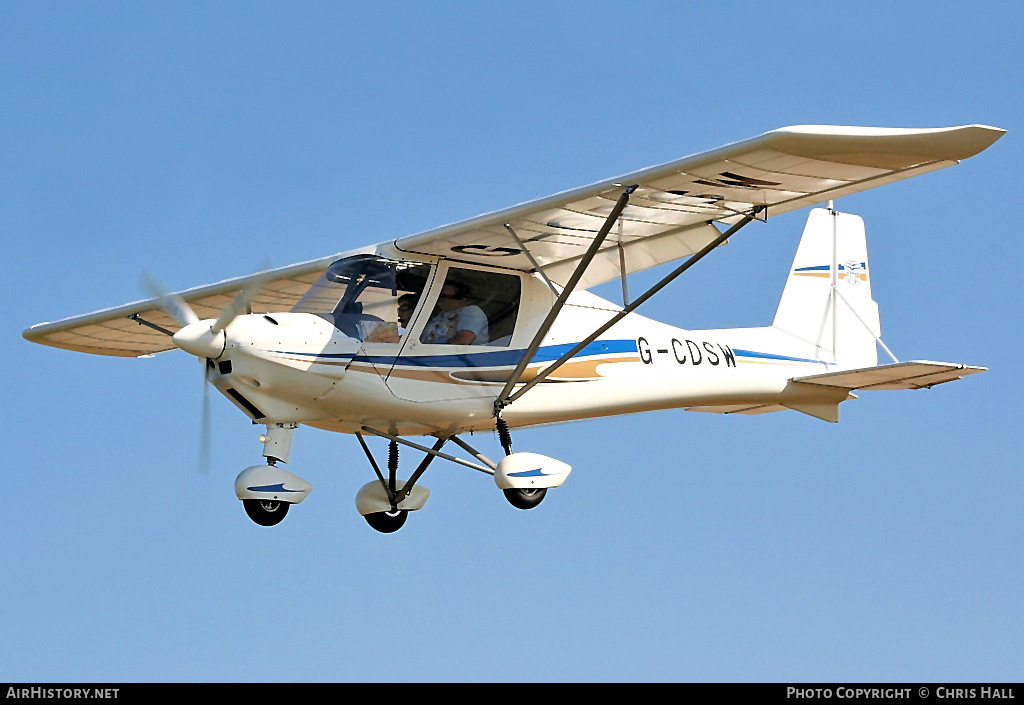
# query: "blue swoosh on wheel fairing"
[[271, 488], [529, 473]]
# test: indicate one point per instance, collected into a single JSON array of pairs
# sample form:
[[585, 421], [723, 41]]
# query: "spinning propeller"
[[204, 338]]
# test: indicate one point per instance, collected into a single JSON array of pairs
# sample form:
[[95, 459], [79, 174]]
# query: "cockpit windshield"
[[367, 297]]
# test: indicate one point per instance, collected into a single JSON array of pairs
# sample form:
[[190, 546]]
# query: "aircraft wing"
[[669, 216], [112, 332]]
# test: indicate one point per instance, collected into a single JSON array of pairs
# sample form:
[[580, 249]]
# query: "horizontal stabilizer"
[[901, 375]]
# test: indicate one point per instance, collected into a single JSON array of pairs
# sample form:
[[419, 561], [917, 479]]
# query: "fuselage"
[[310, 368]]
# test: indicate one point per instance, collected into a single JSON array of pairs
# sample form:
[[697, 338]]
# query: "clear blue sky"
[[196, 141]]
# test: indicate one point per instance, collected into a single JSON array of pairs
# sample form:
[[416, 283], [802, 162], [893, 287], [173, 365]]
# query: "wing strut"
[[529, 256], [504, 399], [143, 322], [428, 451]]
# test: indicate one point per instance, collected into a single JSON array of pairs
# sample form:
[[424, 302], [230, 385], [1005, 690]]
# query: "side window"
[[474, 308]]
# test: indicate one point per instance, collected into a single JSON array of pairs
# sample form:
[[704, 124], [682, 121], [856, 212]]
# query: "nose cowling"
[[199, 339]]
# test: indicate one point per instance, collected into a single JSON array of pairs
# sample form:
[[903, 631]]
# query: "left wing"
[[669, 216]]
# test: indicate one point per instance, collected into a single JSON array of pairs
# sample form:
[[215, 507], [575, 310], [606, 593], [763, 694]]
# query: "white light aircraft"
[[487, 325]]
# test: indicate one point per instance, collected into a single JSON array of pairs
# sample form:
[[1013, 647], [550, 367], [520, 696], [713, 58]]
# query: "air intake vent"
[[247, 405]]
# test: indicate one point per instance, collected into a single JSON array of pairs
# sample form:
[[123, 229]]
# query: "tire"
[[525, 499], [387, 522], [265, 512]]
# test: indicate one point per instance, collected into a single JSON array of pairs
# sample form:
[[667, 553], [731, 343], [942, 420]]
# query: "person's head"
[[406, 305], [453, 296]]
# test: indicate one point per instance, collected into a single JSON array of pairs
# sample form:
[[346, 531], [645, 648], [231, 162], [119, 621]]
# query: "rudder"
[[827, 298]]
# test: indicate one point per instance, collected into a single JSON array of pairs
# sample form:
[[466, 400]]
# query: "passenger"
[[457, 321]]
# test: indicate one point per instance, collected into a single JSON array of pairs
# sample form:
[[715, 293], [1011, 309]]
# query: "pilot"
[[406, 305], [457, 321], [387, 332]]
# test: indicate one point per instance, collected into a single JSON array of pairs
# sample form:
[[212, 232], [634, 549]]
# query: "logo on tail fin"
[[852, 272]]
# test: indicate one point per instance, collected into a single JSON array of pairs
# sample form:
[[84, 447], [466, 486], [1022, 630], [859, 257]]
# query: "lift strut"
[[505, 398]]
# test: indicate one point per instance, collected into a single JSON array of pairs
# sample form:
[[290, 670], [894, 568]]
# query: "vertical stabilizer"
[[827, 299]]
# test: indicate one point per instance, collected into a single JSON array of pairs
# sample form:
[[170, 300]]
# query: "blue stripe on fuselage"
[[492, 358], [771, 356]]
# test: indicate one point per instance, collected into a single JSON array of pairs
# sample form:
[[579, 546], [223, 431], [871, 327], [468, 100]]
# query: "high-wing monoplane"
[[488, 325]]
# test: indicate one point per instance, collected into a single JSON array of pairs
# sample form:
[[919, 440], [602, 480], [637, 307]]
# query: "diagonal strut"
[[505, 401], [503, 398]]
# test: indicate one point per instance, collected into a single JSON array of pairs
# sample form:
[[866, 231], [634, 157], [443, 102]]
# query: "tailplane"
[[827, 298]]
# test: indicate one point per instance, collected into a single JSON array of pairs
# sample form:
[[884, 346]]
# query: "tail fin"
[[827, 299]]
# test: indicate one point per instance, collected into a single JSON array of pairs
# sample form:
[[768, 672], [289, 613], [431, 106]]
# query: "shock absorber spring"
[[503, 435], [393, 465]]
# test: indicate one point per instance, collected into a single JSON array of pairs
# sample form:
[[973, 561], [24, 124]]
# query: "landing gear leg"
[[391, 521], [386, 504], [519, 498], [503, 435], [267, 491]]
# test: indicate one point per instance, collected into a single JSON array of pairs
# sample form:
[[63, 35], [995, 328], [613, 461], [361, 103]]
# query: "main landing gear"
[[518, 497], [387, 522], [525, 499], [524, 478], [268, 492]]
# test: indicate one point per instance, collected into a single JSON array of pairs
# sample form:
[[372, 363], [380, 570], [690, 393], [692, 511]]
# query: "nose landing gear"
[[265, 512], [267, 491]]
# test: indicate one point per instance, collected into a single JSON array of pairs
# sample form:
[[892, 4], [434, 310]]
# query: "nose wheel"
[[265, 512]]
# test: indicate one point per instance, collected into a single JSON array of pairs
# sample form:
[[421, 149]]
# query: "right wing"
[[112, 332]]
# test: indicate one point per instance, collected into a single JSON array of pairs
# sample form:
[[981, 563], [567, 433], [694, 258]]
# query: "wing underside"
[[114, 332], [670, 213]]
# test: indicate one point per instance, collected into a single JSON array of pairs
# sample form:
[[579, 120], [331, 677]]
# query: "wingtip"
[[884, 147]]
